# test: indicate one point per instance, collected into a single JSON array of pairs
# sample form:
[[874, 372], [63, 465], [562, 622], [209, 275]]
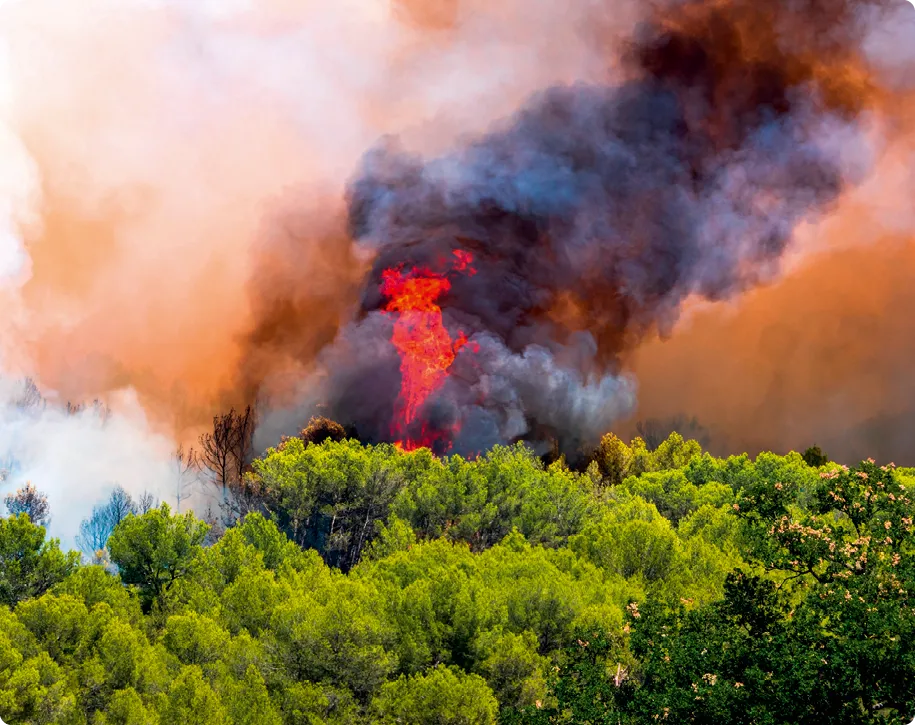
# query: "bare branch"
[[30, 398], [226, 453], [146, 503], [185, 465], [95, 530], [29, 500]]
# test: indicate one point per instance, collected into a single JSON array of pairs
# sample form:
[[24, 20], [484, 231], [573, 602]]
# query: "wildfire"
[[425, 347]]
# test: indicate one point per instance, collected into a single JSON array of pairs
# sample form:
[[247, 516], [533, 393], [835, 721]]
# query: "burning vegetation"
[[590, 217], [426, 349]]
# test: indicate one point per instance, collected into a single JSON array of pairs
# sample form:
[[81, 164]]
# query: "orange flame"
[[425, 347]]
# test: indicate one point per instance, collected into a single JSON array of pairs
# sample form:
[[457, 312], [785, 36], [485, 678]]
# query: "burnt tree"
[[225, 454]]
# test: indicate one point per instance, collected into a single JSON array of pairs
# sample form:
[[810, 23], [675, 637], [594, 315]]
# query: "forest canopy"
[[347, 583]]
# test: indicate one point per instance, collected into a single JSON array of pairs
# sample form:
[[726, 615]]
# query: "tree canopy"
[[365, 584]]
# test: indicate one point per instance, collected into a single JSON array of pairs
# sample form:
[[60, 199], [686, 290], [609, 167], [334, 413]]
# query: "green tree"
[[248, 701], [512, 666], [815, 458], [582, 689], [37, 693], [670, 492], [632, 539], [441, 696], [58, 623], [393, 535], [641, 460], [273, 544], [122, 658], [334, 636], [717, 525], [481, 501], [155, 550], [694, 589], [675, 452], [95, 585], [732, 661], [195, 639], [191, 701], [613, 458], [29, 565], [330, 497], [827, 637], [126, 708]]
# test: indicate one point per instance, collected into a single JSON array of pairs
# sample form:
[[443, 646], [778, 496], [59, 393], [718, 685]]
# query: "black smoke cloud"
[[596, 211]]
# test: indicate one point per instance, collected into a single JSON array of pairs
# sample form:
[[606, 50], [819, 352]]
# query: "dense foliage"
[[366, 584]]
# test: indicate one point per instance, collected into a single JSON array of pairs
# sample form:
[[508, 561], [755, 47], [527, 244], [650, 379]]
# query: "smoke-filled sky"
[[175, 235]]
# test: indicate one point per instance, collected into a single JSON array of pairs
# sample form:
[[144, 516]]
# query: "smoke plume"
[[597, 210]]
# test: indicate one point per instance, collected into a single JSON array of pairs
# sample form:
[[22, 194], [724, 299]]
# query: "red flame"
[[425, 347]]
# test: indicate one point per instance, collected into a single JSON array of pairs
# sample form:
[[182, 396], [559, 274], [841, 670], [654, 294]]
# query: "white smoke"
[[18, 192], [78, 458]]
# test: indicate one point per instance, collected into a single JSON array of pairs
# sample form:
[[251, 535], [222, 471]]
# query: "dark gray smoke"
[[595, 211]]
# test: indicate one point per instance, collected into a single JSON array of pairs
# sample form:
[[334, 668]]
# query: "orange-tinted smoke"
[[430, 14], [172, 342], [191, 161], [822, 358], [304, 275], [151, 193]]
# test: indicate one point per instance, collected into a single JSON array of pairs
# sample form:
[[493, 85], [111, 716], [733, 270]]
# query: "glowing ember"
[[425, 347]]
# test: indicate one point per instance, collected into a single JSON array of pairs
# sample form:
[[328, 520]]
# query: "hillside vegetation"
[[362, 584]]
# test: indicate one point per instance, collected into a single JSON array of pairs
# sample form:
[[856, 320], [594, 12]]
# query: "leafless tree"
[[217, 451], [30, 398], [184, 465], [652, 431], [248, 496], [9, 465], [244, 441], [94, 532], [100, 409], [225, 453], [216, 524], [146, 503], [29, 500], [120, 505]]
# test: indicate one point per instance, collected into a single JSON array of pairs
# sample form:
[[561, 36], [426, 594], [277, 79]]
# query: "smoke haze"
[[598, 210], [175, 238]]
